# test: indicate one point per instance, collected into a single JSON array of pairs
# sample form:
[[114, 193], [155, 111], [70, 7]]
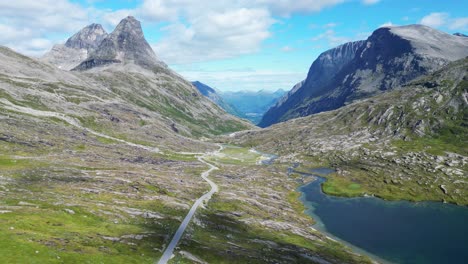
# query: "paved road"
[[214, 188], [180, 231]]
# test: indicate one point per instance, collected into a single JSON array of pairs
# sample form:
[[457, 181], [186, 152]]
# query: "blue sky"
[[229, 45]]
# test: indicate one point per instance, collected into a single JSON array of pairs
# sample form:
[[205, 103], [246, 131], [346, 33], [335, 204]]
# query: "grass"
[[232, 241], [341, 186], [297, 205], [51, 235], [236, 156]]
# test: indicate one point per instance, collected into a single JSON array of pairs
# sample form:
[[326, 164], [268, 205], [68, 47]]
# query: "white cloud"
[[331, 37], [25, 25], [287, 49], [113, 18], [388, 24], [435, 19], [459, 23], [246, 79], [287, 7], [370, 2], [444, 20], [215, 36], [197, 30]]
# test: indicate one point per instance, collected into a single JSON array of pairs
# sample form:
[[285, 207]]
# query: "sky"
[[230, 45]]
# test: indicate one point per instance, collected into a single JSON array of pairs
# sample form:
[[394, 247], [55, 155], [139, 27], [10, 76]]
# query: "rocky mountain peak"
[[389, 58], [129, 25], [77, 48], [126, 44], [88, 37]]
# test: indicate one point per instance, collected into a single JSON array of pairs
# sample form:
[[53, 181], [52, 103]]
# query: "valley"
[[107, 155]]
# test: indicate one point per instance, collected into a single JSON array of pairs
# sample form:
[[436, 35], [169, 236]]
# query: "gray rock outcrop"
[[389, 58]]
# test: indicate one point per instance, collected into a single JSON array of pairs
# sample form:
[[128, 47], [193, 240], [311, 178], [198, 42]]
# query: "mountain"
[[126, 44], [252, 105], [408, 143], [77, 48], [460, 35], [121, 79], [211, 94], [104, 162], [391, 56], [320, 73]]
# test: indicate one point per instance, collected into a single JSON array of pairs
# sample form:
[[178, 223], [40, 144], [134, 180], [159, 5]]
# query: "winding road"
[[207, 196], [180, 231]]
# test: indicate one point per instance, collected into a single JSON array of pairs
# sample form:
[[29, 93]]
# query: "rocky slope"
[[211, 94], [390, 57], [126, 44], [409, 143], [121, 98], [77, 48], [100, 165]]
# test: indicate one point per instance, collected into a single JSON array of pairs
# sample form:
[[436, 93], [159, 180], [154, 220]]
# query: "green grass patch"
[[341, 186], [236, 156]]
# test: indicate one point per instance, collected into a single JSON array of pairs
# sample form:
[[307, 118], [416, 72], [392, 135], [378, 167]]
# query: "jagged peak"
[[88, 37], [126, 44]]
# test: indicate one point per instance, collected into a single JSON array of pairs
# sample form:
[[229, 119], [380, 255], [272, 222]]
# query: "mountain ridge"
[[126, 44], [412, 137], [391, 56], [77, 48]]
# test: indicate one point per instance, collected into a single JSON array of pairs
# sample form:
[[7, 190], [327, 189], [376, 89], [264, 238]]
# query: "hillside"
[[390, 57], [409, 143], [102, 164]]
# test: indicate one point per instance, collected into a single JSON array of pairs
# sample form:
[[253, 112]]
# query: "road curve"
[[214, 188], [180, 231]]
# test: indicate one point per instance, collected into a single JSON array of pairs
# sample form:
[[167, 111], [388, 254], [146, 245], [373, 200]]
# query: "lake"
[[398, 232]]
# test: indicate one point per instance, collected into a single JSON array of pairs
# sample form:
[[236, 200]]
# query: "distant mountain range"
[[215, 97], [252, 105], [390, 57], [249, 105]]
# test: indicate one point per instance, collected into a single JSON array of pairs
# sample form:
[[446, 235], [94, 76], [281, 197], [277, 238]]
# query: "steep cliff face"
[[320, 73], [402, 144], [77, 48], [390, 57], [126, 44], [88, 38]]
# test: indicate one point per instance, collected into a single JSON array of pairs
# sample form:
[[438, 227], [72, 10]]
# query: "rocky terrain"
[[390, 57], [409, 143], [102, 163], [77, 48], [126, 44]]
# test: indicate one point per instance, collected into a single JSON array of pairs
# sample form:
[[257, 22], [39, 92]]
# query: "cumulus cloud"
[[195, 31], [216, 36], [459, 23], [435, 19], [26, 24], [445, 20], [287, 49], [331, 37], [388, 24]]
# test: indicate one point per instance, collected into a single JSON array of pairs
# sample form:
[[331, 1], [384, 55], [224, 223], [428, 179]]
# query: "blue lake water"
[[398, 232]]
